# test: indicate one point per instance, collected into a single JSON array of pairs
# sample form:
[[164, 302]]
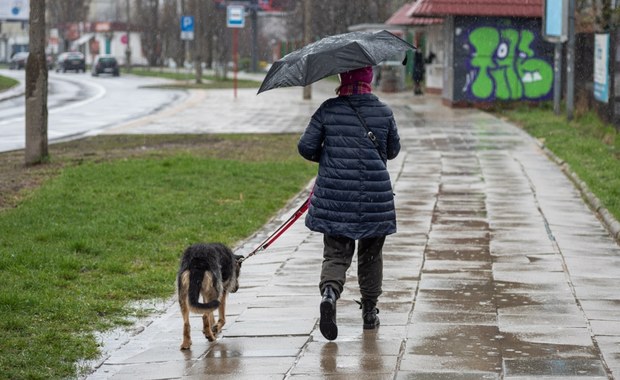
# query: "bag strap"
[[369, 133]]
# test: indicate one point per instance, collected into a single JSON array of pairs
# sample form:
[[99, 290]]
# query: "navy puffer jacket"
[[353, 192]]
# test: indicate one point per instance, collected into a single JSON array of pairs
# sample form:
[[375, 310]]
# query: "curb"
[[13, 92], [612, 225]]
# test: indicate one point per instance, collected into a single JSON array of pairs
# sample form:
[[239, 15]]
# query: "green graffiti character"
[[506, 66], [485, 41], [536, 74]]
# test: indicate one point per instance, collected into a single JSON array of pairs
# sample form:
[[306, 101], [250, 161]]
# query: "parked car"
[[71, 61], [105, 65], [18, 60]]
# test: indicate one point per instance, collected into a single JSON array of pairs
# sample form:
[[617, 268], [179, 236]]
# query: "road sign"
[[14, 10], [555, 20], [235, 16], [187, 27], [601, 67]]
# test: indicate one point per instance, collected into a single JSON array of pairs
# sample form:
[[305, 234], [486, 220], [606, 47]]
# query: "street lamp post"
[[307, 92], [570, 62], [254, 18], [128, 48]]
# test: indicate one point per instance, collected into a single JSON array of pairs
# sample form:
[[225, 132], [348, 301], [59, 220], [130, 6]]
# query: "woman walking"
[[351, 136]]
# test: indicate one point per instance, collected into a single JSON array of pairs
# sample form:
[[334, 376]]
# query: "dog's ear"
[[239, 259]]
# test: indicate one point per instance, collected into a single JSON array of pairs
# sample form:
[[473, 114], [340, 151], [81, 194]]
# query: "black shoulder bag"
[[369, 133]]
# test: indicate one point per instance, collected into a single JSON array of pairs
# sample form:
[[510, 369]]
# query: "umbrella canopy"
[[333, 55]]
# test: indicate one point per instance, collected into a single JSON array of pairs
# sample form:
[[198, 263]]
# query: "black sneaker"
[[327, 324]]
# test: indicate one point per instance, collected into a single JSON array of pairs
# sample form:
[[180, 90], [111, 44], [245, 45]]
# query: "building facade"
[[493, 50]]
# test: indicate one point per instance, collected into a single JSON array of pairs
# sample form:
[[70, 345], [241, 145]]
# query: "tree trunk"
[[36, 87]]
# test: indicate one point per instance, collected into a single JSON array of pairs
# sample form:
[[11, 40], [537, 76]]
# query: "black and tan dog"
[[210, 270]]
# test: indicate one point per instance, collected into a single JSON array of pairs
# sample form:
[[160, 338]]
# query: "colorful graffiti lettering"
[[504, 66]]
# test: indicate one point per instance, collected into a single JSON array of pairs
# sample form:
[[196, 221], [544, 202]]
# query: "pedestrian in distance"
[[419, 70], [351, 136]]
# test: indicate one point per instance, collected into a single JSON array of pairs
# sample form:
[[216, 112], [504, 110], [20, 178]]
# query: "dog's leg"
[[187, 339], [207, 326], [183, 302], [221, 315]]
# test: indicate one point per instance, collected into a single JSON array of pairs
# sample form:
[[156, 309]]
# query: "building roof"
[[400, 18], [501, 8]]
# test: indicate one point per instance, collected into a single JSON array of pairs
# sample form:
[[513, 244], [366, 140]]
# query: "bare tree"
[[36, 88], [338, 15], [197, 9], [65, 13], [222, 42], [147, 20], [172, 45], [211, 28]]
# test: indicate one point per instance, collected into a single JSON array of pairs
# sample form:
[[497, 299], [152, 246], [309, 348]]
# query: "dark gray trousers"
[[337, 257]]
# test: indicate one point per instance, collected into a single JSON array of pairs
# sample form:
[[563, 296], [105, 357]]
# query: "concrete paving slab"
[[554, 367], [273, 367], [472, 365], [151, 371], [551, 335], [523, 321], [462, 318], [605, 327], [271, 346], [610, 347], [447, 376], [369, 363]]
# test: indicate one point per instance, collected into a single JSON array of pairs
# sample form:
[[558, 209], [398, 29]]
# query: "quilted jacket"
[[353, 193]]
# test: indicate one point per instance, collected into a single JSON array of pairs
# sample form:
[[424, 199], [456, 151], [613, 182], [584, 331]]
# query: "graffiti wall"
[[501, 59]]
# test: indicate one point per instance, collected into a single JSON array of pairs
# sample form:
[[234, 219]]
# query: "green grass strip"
[[102, 234], [7, 83], [187, 79]]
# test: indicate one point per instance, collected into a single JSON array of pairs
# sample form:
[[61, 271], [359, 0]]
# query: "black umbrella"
[[333, 55]]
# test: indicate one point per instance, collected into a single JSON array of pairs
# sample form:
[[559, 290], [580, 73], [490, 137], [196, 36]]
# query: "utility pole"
[[36, 87], [307, 94], [254, 18], [570, 62], [128, 48], [557, 83], [197, 11]]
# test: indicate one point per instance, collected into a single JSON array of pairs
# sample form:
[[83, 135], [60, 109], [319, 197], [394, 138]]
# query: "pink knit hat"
[[358, 75]]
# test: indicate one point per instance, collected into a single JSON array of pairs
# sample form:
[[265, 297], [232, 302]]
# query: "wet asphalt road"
[[499, 269], [79, 105]]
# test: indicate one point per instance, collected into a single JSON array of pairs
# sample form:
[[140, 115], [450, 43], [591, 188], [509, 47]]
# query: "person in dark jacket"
[[352, 198], [419, 70]]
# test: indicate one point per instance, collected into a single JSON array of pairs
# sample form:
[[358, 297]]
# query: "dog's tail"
[[196, 278]]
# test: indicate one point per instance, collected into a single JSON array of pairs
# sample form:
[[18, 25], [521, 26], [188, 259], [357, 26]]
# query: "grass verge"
[[6, 83], [104, 223], [187, 80], [589, 146]]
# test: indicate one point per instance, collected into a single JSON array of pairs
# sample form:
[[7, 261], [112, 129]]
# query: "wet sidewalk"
[[499, 270]]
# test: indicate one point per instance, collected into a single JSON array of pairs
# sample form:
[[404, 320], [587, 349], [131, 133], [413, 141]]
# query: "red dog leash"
[[280, 230]]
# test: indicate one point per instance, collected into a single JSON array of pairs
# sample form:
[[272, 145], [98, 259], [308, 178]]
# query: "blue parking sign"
[[187, 27]]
